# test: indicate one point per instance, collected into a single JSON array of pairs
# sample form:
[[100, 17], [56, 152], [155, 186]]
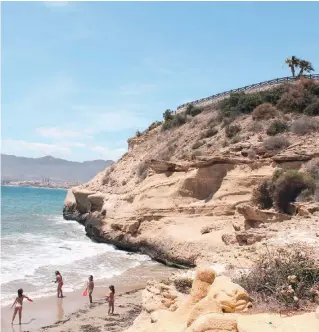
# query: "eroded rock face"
[[162, 166], [223, 296], [253, 214], [83, 203]]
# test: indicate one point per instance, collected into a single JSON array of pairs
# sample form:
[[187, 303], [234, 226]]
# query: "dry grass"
[[276, 143], [265, 111], [283, 278], [277, 127], [305, 125]]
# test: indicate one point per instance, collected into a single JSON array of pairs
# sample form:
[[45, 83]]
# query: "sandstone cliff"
[[183, 195]]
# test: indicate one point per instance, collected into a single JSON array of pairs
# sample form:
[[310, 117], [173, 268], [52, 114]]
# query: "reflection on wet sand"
[[60, 310]]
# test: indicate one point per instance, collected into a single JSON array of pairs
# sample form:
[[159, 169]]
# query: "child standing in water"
[[90, 287], [110, 298], [18, 305], [59, 280]]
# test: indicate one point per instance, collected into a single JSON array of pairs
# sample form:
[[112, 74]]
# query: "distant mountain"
[[15, 168]]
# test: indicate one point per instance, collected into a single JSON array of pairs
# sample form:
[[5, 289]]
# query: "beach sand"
[[74, 313]]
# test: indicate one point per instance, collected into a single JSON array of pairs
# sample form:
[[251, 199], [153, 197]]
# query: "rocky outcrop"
[[209, 306], [252, 236], [254, 215], [162, 166]]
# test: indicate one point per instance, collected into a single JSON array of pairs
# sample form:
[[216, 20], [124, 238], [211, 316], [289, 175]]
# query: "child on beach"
[[18, 305], [90, 287], [110, 299], [59, 280]]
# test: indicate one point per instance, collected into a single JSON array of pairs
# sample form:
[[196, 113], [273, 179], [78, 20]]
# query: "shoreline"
[[16, 186], [50, 312]]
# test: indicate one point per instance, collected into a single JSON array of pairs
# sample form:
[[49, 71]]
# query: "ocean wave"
[[46, 243]]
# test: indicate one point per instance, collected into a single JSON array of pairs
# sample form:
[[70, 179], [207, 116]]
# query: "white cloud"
[[61, 133], [34, 149], [105, 153]]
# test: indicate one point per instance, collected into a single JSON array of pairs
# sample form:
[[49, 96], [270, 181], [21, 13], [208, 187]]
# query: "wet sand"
[[54, 313]]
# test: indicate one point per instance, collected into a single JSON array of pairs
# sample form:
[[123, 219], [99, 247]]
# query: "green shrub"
[[305, 125], [209, 132], [306, 195], [176, 121], [284, 277], [262, 195], [245, 103], [276, 143], [232, 130], [240, 103], [193, 110], [313, 108], [277, 127], [289, 186], [155, 124], [265, 111], [168, 115]]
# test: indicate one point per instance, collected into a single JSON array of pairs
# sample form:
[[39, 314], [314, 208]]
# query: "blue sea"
[[36, 241]]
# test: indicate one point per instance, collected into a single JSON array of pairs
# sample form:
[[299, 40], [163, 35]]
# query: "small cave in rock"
[[205, 183]]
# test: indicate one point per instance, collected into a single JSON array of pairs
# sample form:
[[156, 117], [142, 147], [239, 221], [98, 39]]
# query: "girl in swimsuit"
[[18, 305], [90, 287], [59, 280], [110, 298]]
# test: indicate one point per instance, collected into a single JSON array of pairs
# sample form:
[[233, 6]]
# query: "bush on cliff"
[[193, 110], [276, 143], [287, 97], [245, 103], [277, 127], [283, 278], [313, 108], [289, 186], [264, 111], [173, 120], [305, 125], [232, 130], [297, 97], [282, 189]]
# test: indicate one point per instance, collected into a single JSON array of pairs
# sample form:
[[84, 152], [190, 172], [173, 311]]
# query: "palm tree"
[[293, 63], [306, 66]]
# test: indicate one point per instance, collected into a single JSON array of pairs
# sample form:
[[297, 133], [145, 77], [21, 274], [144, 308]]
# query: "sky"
[[79, 78]]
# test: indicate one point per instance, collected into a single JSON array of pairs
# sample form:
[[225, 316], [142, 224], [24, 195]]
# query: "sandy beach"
[[74, 313]]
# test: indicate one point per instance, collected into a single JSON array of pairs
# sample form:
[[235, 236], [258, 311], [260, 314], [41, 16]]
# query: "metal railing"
[[249, 87]]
